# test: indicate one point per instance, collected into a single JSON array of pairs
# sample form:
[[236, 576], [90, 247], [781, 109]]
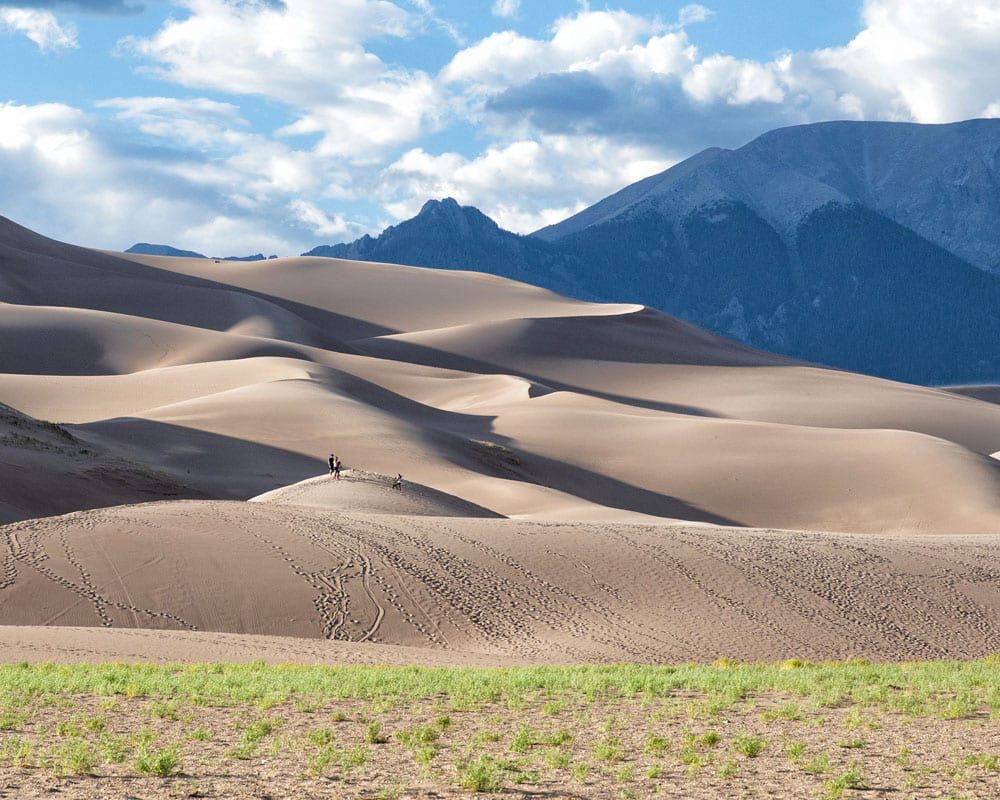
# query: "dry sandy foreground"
[[464, 590], [678, 747]]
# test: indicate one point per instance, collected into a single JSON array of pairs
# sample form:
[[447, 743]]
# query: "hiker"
[[336, 469], [397, 482], [332, 460]]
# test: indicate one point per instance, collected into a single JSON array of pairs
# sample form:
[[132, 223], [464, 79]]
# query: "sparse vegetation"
[[795, 750], [481, 775], [374, 735], [749, 746], [163, 762], [608, 731], [851, 779]]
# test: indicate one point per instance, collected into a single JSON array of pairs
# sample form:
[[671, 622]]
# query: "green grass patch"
[[952, 689]]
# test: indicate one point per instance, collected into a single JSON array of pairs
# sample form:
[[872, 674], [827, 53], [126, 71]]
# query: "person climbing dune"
[[336, 469], [397, 482]]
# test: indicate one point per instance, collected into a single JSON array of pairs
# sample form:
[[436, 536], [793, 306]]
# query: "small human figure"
[[332, 460], [397, 482], [336, 469]]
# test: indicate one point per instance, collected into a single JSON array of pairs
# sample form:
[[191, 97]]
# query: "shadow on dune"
[[409, 352], [228, 468], [224, 467], [49, 273], [603, 489], [452, 431]]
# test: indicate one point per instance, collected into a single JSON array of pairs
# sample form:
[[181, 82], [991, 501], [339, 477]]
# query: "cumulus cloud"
[[309, 55], [922, 60], [39, 26], [600, 99], [625, 76], [523, 185], [218, 188], [507, 58]]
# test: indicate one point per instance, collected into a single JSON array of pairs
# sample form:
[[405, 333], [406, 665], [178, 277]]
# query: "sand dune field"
[[583, 482]]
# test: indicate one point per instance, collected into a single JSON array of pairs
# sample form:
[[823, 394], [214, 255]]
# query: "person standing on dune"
[[332, 460], [336, 468]]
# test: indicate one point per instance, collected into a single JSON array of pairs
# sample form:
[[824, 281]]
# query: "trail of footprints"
[[25, 543], [453, 587]]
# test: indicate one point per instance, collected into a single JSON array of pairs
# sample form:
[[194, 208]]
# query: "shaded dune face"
[[231, 380], [521, 592]]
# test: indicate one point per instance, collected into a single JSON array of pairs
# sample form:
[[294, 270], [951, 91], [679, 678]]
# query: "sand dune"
[[637, 458], [69, 645], [520, 590], [47, 470], [987, 392], [370, 493]]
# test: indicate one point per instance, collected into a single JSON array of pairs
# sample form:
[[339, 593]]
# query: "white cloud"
[[919, 60], [370, 120], [506, 8], [506, 58], [319, 221], [39, 26], [308, 55], [601, 99], [63, 169], [693, 13], [523, 185], [738, 82], [199, 121]]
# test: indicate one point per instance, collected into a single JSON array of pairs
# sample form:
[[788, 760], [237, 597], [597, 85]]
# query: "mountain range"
[[146, 249], [869, 246]]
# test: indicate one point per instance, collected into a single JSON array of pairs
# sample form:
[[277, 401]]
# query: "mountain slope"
[[449, 236], [865, 246], [146, 249], [940, 181]]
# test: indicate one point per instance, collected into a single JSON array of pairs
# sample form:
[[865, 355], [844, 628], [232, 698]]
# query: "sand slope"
[[522, 591], [47, 470], [371, 493]]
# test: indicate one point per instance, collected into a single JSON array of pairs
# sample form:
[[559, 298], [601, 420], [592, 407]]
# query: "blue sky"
[[237, 126]]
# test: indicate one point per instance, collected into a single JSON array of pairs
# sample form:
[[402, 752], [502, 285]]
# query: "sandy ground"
[[522, 591], [677, 747]]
